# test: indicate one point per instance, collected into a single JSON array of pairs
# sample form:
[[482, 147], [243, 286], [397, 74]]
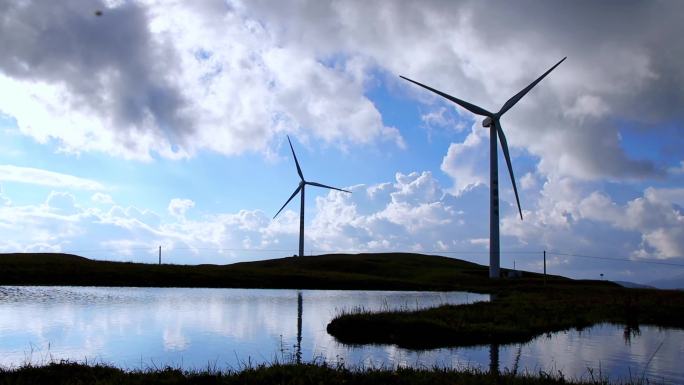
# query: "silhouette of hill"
[[676, 282], [633, 285], [385, 271]]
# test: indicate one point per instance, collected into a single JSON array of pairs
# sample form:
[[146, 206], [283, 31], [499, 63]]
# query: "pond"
[[139, 328]]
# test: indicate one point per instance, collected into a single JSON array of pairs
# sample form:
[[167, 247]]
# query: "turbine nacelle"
[[487, 122]]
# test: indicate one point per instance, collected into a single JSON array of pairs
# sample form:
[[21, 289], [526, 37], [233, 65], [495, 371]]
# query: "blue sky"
[[178, 136]]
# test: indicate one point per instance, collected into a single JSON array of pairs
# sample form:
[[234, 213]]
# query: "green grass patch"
[[512, 317]]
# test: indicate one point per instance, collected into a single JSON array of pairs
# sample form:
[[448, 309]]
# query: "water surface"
[[229, 328], [134, 327]]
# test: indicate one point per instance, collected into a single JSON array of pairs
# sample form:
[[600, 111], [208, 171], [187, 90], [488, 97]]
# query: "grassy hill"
[[389, 271]]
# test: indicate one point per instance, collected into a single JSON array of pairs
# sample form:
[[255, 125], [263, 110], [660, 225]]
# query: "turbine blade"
[[515, 99], [504, 146], [470, 107], [324, 186], [288, 201], [299, 170]]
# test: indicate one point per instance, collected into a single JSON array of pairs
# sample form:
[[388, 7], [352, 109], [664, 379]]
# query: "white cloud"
[[62, 202], [650, 220], [467, 163], [414, 215], [102, 198], [178, 207], [145, 216], [565, 217], [11, 173], [378, 189], [442, 117], [416, 188], [4, 200], [673, 195], [480, 241], [529, 182], [661, 225], [587, 106]]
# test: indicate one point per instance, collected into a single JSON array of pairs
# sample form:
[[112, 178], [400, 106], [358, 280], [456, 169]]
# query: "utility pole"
[[544, 267], [160, 255]]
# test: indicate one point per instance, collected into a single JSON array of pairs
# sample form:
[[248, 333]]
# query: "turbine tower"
[[492, 121], [300, 188]]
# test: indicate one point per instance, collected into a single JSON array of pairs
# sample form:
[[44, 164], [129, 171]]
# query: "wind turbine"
[[300, 188], [492, 121]]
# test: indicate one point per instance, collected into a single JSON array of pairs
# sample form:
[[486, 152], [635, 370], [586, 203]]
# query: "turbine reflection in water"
[[494, 359], [298, 347]]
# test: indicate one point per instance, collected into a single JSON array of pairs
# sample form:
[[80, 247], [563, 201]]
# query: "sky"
[[165, 123]]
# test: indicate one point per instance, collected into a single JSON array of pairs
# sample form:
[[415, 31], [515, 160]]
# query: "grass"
[[512, 317], [64, 373], [390, 271]]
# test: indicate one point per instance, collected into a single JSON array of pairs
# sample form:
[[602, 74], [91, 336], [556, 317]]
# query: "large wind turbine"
[[300, 188], [492, 121]]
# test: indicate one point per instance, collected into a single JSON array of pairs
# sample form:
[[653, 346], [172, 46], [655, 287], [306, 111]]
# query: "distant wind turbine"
[[302, 184], [492, 121]]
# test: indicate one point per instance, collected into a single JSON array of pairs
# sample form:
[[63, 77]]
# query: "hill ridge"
[[374, 271]]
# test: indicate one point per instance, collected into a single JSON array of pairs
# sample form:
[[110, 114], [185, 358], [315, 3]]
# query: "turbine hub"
[[487, 122]]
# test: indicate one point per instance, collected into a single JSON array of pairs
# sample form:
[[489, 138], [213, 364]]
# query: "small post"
[[544, 267], [160, 255]]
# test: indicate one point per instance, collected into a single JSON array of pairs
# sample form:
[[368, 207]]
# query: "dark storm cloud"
[[109, 63], [625, 53], [593, 33]]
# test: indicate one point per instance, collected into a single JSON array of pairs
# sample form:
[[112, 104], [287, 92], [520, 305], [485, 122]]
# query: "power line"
[[422, 251], [617, 259], [107, 250], [229, 249]]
